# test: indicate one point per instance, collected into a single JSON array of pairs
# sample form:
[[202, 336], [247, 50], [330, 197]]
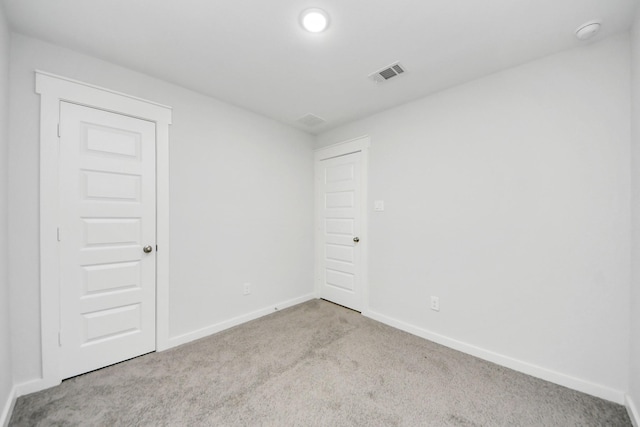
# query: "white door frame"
[[53, 89], [360, 144]]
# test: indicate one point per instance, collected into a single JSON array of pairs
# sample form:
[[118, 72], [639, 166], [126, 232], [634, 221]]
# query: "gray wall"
[[241, 200], [6, 375], [634, 387], [509, 198]]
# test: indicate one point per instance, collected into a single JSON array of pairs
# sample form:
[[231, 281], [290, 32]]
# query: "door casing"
[[360, 144], [53, 90]]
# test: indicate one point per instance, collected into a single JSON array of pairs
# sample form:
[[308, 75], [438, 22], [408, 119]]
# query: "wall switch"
[[435, 303], [246, 290], [378, 205]]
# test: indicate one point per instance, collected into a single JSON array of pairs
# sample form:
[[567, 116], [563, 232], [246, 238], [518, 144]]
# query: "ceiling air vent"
[[311, 120], [388, 72]]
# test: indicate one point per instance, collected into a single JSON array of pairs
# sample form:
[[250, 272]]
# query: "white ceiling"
[[254, 54]]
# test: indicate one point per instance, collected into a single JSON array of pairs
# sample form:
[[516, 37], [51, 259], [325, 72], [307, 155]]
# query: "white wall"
[[6, 376], [509, 198], [241, 200], [634, 377]]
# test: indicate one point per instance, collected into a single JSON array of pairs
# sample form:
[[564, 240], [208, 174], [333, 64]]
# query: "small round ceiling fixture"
[[314, 20], [588, 30]]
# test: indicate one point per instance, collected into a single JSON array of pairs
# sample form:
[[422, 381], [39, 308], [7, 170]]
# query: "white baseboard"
[[20, 390], [7, 409], [33, 386], [39, 384], [226, 324], [574, 383], [632, 410]]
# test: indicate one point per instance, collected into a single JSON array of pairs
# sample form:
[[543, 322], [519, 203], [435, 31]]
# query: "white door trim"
[[53, 89], [360, 144]]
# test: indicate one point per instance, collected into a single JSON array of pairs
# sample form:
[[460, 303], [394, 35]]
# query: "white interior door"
[[107, 217], [339, 204]]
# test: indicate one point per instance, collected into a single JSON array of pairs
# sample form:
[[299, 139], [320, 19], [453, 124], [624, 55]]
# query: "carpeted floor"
[[315, 364]]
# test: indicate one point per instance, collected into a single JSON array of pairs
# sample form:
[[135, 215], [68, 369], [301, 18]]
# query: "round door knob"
[[356, 239], [147, 249]]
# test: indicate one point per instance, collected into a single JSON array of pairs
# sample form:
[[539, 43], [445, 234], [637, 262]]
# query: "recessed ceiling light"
[[314, 20], [588, 30]]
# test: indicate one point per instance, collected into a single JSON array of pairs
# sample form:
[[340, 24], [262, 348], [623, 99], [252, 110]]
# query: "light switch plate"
[[378, 205]]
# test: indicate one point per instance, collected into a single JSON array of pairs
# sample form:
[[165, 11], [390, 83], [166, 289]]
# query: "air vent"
[[388, 72], [311, 120]]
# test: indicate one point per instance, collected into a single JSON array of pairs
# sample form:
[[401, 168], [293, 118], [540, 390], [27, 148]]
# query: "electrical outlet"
[[246, 290], [435, 303]]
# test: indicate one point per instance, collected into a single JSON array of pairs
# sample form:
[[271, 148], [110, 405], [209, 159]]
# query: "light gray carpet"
[[316, 364]]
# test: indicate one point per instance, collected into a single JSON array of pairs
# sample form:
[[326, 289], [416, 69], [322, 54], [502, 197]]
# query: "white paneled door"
[[107, 238], [339, 189]]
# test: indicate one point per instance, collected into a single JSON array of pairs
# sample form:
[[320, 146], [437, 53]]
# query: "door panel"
[[339, 215], [107, 216], [110, 277]]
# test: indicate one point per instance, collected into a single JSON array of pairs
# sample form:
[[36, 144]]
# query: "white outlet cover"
[[378, 205]]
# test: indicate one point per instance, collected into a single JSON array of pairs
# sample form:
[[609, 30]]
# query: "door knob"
[[147, 249], [356, 239]]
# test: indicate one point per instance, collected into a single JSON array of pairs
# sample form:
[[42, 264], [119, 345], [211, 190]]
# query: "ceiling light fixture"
[[588, 30], [314, 20]]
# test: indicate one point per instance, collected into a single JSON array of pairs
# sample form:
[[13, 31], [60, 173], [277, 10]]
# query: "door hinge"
[[58, 234], [60, 339], [156, 248], [58, 130]]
